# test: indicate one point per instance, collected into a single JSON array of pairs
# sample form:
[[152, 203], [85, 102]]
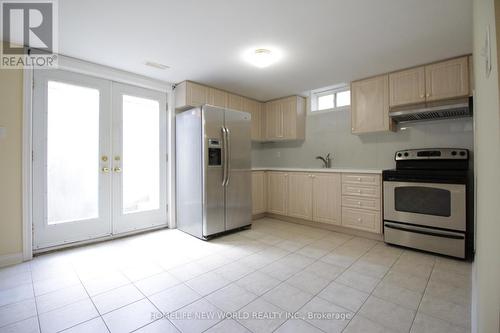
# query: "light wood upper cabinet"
[[327, 199], [285, 119], [277, 192], [273, 120], [370, 105], [259, 203], [447, 79], [407, 87], [235, 102], [255, 109], [300, 195], [189, 94], [217, 97]]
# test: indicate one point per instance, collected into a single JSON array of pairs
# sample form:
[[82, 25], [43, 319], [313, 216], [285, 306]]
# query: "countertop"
[[349, 170]]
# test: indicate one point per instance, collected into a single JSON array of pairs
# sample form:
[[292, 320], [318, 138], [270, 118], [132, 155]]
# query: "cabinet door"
[[407, 87], [300, 195], [447, 79], [196, 94], [253, 107], [217, 97], [327, 198], [274, 121], [289, 117], [235, 102], [370, 105], [258, 192], [277, 185]]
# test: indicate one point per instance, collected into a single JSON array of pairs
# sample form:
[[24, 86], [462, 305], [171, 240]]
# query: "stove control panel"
[[432, 154]]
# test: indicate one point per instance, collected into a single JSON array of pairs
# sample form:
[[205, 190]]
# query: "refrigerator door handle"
[[228, 164], [224, 156]]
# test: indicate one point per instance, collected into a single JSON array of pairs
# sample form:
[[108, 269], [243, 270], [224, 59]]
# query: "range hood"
[[452, 109]]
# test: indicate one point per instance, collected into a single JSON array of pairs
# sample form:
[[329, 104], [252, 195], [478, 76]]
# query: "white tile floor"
[[332, 282]]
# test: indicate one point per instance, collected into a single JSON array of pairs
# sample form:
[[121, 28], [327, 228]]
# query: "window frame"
[[334, 90]]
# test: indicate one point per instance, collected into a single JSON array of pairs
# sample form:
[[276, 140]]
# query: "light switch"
[[3, 133]]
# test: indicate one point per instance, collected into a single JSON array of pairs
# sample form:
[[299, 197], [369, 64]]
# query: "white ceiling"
[[324, 42]]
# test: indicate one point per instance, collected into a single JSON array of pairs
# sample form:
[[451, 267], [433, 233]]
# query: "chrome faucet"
[[327, 161]]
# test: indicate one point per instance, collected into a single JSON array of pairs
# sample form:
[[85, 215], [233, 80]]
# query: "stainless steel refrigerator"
[[213, 170]]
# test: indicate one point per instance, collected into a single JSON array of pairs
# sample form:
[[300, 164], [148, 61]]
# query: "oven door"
[[426, 204]]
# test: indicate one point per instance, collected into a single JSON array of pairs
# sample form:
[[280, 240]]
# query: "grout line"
[[36, 302], [95, 307], [423, 293]]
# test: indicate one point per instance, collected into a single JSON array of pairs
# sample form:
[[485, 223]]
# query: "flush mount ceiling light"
[[156, 65], [262, 57]]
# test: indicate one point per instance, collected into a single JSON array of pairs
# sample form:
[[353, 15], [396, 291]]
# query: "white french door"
[[139, 160], [99, 158]]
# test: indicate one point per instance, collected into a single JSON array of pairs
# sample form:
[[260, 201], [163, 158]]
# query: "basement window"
[[330, 99]]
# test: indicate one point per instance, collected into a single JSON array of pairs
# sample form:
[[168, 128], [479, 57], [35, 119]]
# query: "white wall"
[[331, 133], [486, 271]]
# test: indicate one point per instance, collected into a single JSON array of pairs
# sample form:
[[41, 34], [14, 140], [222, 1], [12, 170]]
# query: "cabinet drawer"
[[360, 179], [364, 203], [362, 191], [361, 219]]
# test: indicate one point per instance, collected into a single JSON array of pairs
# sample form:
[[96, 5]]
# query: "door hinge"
[[166, 157], [32, 155], [167, 208]]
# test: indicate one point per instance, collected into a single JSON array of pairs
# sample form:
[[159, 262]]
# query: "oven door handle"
[[424, 232]]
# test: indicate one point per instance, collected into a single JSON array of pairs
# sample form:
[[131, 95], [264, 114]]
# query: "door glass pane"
[[423, 200], [72, 153], [141, 154]]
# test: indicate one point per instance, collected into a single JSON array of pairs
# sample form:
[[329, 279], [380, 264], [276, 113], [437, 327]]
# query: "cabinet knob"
[[359, 191], [422, 96], [428, 95], [359, 203], [359, 179], [360, 219]]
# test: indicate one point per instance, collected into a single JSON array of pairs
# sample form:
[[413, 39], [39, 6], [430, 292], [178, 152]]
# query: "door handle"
[[117, 170], [228, 165], [224, 162], [105, 170]]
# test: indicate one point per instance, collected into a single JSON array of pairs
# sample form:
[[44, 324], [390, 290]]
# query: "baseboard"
[[11, 259], [258, 216], [337, 228]]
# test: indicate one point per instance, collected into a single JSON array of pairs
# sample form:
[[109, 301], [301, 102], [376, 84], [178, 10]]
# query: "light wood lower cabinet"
[[361, 202], [361, 219], [259, 192], [326, 198], [331, 198], [277, 192], [300, 195]]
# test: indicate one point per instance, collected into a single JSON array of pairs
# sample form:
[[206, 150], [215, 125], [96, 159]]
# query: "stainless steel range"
[[427, 201]]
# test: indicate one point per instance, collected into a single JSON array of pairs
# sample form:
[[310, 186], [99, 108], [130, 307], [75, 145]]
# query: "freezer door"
[[213, 163], [189, 172], [238, 183]]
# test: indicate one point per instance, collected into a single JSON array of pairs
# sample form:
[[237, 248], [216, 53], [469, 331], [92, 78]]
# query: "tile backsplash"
[[331, 133]]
